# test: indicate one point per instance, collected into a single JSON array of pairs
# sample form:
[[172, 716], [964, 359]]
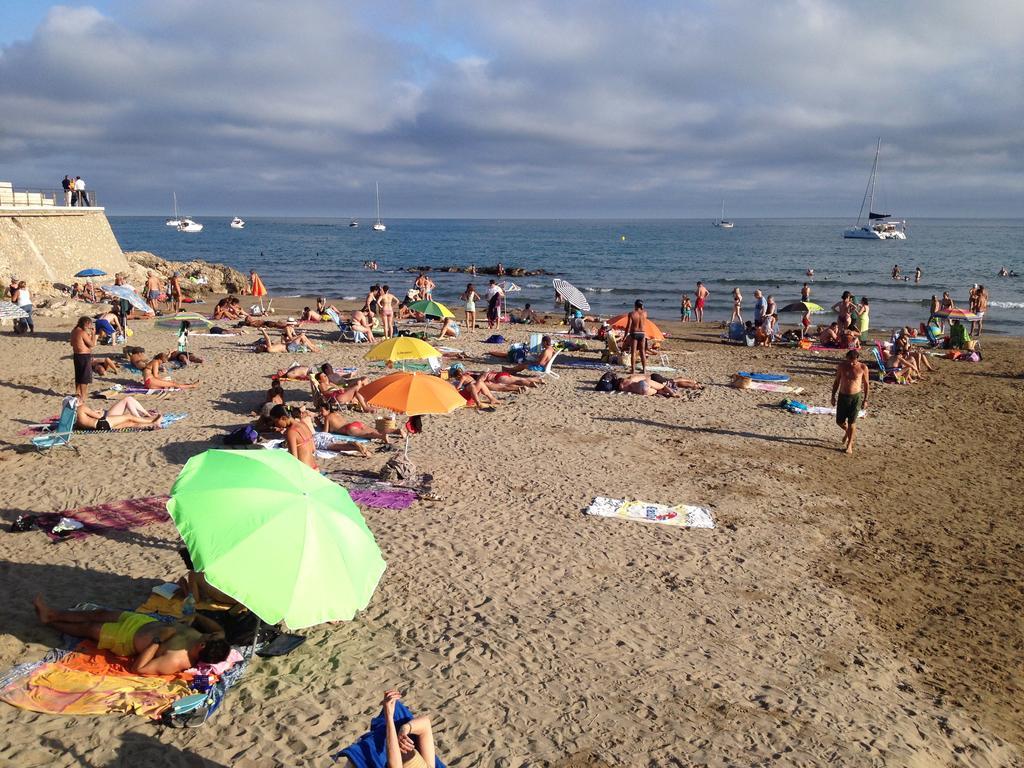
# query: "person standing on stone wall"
[[67, 184], [83, 197]]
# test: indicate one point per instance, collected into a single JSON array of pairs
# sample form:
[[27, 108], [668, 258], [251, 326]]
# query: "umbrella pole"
[[255, 637], [406, 445]]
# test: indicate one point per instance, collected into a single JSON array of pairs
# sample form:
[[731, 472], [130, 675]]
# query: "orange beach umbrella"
[[258, 288], [414, 394], [654, 333]]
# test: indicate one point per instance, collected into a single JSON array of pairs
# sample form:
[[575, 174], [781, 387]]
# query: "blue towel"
[[369, 751]]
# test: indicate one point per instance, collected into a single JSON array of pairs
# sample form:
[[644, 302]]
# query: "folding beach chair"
[[547, 372], [345, 332], [318, 396], [61, 434], [896, 374]]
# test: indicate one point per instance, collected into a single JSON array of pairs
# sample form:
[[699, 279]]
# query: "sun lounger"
[[884, 372]]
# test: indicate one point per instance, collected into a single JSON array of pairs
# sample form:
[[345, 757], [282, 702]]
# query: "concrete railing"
[[44, 198]]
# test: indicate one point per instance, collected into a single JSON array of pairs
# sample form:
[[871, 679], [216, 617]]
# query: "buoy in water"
[[623, 238]]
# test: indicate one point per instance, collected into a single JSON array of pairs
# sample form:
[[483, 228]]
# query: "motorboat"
[[379, 226], [237, 223], [188, 225], [354, 223], [879, 226], [722, 222]]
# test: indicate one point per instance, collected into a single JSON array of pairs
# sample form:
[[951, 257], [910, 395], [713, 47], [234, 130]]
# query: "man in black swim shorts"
[[83, 339]]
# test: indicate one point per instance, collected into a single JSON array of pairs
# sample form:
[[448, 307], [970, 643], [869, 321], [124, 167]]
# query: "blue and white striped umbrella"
[[11, 311], [126, 293], [571, 294]]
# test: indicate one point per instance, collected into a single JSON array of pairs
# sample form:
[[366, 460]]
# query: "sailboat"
[[722, 222], [379, 226], [879, 225], [175, 220]]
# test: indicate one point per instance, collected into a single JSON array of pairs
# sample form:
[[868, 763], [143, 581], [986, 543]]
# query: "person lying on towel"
[[157, 648]]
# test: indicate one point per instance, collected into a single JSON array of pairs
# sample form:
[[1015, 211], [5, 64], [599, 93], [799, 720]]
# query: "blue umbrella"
[[91, 272], [126, 293]]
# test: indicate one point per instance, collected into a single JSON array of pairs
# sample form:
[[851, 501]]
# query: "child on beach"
[[737, 305], [686, 309]]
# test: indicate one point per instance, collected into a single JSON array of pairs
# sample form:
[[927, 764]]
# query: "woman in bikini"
[[737, 306], [338, 424], [125, 414], [151, 378], [387, 301]]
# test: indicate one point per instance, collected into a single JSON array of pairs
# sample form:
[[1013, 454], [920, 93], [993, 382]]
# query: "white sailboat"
[[237, 223], [379, 226], [879, 226], [722, 222], [175, 220]]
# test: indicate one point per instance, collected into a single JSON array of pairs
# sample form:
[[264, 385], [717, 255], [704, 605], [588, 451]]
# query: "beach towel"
[[88, 681], [113, 516], [369, 751], [769, 386], [320, 439], [587, 365], [398, 498], [142, 390], [679, 515], [812, 410]]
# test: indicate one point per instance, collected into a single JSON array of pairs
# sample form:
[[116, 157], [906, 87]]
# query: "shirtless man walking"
[[153, 290], [83, 339], [637, 337], [158, 648], [850, 394], [702, 298]]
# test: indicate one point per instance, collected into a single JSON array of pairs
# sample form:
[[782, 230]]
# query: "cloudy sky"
[[518, 109]]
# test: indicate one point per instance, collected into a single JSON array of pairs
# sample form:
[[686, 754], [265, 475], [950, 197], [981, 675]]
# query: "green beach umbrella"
[[275, 535], [431, 309], [802, 306]]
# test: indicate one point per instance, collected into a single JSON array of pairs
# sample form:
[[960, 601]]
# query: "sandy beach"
[[855, 611]]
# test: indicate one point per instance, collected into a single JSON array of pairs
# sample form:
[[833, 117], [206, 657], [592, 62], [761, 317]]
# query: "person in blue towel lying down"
[[396, 740]]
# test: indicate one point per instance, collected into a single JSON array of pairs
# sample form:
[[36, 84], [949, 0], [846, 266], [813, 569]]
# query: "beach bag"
[[517, 353], [398, 467], [606, 383], [242, 436], [495, 338]]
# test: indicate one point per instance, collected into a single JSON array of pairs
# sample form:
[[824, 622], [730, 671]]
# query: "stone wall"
[[50, 246]]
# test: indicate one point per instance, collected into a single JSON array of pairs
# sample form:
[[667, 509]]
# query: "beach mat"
[[121, 515], [679, 515], [383, 498]]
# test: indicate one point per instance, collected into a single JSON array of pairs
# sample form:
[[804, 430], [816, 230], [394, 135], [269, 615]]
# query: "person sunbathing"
[[650, 385], [547, 351], [274, 396], [125, 414], [475, 392], [412, 743], [302, 439], [829, 336], [497, 381], [345, 393], [157, 648], [251, 321], [909, 351], [449, 329], [362, 324], [309, 316], [296, 341], [338, 423], [151, 375], [895, 361], [266, 345], [195, 584], [104, 365]]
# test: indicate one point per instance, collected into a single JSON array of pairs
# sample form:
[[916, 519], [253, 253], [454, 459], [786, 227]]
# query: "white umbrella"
[[11, 311], [571, 294]]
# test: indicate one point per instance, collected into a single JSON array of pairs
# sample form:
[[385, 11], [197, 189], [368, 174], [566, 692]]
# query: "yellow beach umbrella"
[[402, 348]]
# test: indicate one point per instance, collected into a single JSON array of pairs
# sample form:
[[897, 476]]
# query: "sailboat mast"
[[722, 217], [874, 170], [377, 184]]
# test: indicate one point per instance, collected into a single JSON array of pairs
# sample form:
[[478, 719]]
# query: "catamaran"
[[379, 226], [722, 222], [880, 226]]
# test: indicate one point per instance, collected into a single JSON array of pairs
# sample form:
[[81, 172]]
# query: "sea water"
[[616, 262]]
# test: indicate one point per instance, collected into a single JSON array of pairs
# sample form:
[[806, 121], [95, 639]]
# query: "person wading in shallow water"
[[849, 395]]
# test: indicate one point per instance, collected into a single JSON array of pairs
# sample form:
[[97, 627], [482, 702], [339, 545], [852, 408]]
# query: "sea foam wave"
[[1007, 304]]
